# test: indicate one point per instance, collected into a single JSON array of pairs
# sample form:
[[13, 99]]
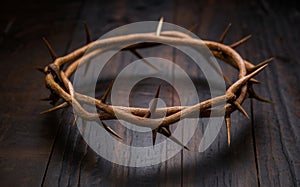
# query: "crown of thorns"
[[57, 81]]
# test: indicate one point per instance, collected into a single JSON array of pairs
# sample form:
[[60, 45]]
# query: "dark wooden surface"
[[47, 150]]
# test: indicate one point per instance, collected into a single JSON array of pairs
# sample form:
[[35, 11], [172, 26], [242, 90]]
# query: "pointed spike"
[[254, 81], [159, 26], [253, 95], [87, 33], [244, 80], [51, 97], [154, 103], [178, 142], [88, 40], [261, 64], [259, 98], [50, 49], [108, 90], [249, 76], [153, 106], [151, 111], [224, 34], [227, 80], [241, 41], [63, 105], [228, 122], [241, 109], [157, 91], [41, 70], [108, 129], [75, 120], [186, 148], [46, 99], [165, 131], [154, 133], [138, 55]]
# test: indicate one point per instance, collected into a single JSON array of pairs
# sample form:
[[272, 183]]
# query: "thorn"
[[244, 80], [259, 98], [178, 142], [152, 111], [224, 34], [166, 132], [154, 103], [75, 120], [153, 106], [63, 105], [249, 76], [228, 122], [227, 80], [87, 33], [253, 95], [138, 55], [243, 40], [254, 81], [88, 40], [40, 70], [53, 98], [108, 90], [50, 49], [159, 26], [241, 109], [154, 133], [261, 64], [107, 128], [46, 99]]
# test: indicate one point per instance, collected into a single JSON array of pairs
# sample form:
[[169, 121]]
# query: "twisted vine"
[[57, 81]]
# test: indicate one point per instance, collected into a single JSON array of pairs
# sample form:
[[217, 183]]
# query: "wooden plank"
[[69, 174], [276, 125], [73, 163], [161, 174], [27, 137], [62, 169], [218, 165], [264, 150]]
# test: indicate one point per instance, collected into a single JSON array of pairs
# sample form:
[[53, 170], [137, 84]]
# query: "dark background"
[[47, 150]]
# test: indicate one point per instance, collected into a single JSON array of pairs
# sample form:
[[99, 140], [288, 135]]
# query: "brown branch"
[[57, 80]]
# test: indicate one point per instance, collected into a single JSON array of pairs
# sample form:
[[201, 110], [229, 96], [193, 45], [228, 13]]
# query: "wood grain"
[[48, 151]]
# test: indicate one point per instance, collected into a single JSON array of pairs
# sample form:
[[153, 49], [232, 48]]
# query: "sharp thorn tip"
[[241, 109], [224, 34], [50, 49], [108, 129], [241, 41]]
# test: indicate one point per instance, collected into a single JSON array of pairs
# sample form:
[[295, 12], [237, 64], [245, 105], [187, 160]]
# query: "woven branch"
[[57, 80]]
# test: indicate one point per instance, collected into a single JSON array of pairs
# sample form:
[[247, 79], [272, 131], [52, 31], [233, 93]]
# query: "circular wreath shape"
[[57, 76]]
